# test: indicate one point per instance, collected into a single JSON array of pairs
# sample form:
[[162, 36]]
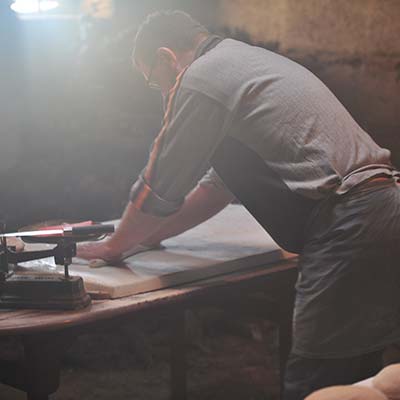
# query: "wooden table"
[[45, 335]]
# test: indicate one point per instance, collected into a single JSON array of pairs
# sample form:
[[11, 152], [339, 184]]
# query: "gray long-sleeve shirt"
[[273, 106]]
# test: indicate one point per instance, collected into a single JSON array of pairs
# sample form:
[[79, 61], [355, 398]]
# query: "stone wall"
[[353, 46]]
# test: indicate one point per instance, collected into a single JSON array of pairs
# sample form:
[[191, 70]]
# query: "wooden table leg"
[[42, 364], [178, 356]]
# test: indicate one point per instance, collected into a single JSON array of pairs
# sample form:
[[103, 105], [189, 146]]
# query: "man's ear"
[[167, 56]]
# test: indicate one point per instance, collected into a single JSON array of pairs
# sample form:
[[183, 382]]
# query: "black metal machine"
[[51, 291]]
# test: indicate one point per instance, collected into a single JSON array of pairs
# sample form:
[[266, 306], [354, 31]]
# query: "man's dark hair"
[[173, 29]]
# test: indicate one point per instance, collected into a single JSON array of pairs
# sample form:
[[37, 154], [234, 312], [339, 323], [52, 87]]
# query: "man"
[[289, 151]]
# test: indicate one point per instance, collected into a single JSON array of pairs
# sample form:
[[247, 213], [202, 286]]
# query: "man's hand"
[[134, 228], [97, 250]]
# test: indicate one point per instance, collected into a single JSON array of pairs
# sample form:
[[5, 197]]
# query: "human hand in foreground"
[[347, 392]]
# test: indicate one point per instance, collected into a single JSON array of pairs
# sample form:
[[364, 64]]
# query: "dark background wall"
[[77, 120]]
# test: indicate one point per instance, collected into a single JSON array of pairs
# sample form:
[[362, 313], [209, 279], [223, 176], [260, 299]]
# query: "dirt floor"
[[230, 357]]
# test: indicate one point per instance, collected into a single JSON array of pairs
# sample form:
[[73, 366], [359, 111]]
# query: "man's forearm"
[[134, 228], [201, 204]]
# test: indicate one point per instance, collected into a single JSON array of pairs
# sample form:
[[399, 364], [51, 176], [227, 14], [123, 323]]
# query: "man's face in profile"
[[161, 73]]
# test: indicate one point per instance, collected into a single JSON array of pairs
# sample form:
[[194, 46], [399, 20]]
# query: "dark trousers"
[[304, 375]]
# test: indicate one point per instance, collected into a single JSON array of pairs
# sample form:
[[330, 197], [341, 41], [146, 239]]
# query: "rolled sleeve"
[[181, 153], [153, 203]]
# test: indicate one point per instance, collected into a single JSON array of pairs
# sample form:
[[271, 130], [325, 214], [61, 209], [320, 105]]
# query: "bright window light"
[[33, 6]]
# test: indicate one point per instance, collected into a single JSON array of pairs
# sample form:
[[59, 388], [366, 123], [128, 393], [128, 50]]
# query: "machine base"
[[44, 292]]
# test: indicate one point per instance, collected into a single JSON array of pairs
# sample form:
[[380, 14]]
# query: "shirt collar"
[[206, 45]]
